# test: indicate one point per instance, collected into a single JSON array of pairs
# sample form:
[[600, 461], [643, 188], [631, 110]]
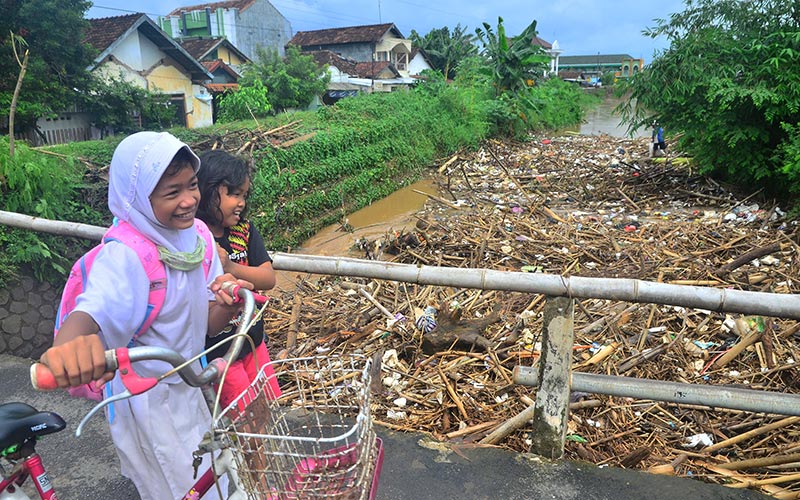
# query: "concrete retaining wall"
[[27, 315]]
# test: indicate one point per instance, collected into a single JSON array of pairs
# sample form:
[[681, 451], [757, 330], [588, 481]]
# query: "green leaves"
[[513, 65], [249, 101], [58, 61], [730, 83], [291, 82], [445, 49]]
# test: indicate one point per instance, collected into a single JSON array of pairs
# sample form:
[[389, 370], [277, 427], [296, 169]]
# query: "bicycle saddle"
[[20, 422]]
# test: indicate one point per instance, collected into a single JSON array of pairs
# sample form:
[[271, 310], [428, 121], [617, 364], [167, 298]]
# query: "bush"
[[40, 185]]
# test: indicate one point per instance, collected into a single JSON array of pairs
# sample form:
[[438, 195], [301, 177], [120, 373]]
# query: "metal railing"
[[553, 374]]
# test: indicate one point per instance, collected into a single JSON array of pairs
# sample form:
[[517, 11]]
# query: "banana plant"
[[514, 64]]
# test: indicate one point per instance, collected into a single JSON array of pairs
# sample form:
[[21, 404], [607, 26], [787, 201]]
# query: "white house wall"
[[417, 65]]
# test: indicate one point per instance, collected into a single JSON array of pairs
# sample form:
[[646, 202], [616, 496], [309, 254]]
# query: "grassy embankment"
[[362, 149]]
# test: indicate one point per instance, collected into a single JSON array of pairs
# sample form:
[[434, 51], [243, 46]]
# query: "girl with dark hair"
[[224, 181]]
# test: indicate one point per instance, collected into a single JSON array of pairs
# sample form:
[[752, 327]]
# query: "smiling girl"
[[224, 186]]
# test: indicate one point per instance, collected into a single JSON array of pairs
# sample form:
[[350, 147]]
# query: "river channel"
[[393, 213]]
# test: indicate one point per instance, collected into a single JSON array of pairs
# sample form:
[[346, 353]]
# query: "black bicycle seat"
[[20, 422]]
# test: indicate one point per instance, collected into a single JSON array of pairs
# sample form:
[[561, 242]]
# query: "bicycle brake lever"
[[134, 384], [116, 397]]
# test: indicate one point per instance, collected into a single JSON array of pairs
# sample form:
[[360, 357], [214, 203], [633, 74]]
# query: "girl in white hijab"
[[153, 187]]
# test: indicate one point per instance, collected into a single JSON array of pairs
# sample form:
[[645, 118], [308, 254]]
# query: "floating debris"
[[576, 206]]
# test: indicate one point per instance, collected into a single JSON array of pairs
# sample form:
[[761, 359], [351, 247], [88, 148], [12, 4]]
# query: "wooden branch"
[[747, 257], [294, 323], [761, 462]]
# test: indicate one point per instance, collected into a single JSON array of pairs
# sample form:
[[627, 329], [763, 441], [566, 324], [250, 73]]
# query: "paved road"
[[415, 468]]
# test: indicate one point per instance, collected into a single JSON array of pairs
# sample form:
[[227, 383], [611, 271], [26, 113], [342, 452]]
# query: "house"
[[134, 47], [418, 62], [221, 59], [247, 24], [349, 77], [376, 43], [597, 63]]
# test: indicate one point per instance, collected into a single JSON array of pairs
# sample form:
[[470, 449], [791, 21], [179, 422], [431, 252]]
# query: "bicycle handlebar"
[[121, 358]]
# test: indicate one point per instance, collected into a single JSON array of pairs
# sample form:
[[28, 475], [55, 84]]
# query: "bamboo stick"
[[453, 394], [734, 351], [749, 434], [761, 462]]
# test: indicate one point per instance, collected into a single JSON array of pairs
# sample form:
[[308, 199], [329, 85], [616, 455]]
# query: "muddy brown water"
[[393, 213]]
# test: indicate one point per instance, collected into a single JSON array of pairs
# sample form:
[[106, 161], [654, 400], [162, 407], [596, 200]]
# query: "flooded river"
[[603, 120], [393, 212]]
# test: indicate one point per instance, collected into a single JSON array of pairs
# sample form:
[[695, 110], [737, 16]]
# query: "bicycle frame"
[[30, 466]]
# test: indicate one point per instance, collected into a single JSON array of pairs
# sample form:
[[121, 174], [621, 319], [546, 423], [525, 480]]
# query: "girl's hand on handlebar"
[[77, 362], [224, 288]]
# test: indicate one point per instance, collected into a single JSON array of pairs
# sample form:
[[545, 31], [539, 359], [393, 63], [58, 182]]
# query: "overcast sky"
[[582, 27]]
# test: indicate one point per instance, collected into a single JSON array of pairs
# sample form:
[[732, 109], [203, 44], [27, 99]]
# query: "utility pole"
[[379, 12]]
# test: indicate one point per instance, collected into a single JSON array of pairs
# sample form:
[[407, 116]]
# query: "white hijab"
[[136, 167]]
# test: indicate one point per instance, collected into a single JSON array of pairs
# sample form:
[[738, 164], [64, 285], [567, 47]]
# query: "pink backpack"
[[156, 272]]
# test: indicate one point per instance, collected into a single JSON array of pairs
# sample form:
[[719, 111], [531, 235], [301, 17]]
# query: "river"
[[393, 212]]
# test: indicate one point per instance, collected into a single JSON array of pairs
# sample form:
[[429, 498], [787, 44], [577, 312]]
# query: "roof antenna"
[[380, 20]]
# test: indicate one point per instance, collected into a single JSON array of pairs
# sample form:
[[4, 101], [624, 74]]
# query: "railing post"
[[555, 364]]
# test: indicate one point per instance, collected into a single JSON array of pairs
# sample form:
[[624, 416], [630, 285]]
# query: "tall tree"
[[446, 49], [58, 60], [730, 84], [291, 82]]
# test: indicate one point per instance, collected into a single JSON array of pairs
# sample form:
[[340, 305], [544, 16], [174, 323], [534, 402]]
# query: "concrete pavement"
[[415, 467]]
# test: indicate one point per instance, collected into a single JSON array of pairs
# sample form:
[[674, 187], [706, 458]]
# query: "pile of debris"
[[575, 206]]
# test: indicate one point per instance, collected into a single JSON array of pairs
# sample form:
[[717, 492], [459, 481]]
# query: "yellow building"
[[135, 48]]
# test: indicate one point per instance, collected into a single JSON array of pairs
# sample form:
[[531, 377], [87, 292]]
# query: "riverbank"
[[581, 206]]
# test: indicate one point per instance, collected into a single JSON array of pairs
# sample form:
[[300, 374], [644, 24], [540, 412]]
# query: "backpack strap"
[[155, 270], [211, 245]]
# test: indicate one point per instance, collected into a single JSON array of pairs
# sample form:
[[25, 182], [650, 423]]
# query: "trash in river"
[[679, 236]]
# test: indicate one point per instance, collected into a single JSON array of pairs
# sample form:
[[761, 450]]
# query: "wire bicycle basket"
[[315, 441]]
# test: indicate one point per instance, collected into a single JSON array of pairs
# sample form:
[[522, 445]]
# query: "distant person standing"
[[657, 141]]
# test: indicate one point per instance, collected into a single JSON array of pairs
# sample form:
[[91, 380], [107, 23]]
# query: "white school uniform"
[[155, 433]]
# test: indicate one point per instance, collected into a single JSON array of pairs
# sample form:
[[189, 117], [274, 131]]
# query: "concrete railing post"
[[555, 365]]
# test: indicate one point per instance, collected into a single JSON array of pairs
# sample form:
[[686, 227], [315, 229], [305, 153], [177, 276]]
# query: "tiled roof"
[[541, 42], [198, 47], [374, 69], [229, 4], [337, 36], [104, 31], [221, 87], [216, 64], [356, 69], [592, 60], [333, 59]]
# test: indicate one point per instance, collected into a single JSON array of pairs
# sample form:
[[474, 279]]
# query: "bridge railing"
[[553, 373]]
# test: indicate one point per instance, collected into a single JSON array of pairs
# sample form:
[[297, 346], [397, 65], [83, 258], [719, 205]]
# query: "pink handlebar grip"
[[232, 289], [42, 378]]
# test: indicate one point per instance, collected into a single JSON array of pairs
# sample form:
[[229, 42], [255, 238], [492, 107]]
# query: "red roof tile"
[[104, 31], [198, 47], [336, 36], [221, 87]]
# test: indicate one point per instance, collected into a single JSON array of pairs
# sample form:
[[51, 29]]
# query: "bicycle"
[[241, 437]]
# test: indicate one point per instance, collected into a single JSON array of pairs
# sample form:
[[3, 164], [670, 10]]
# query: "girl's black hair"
[[218, 168]]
